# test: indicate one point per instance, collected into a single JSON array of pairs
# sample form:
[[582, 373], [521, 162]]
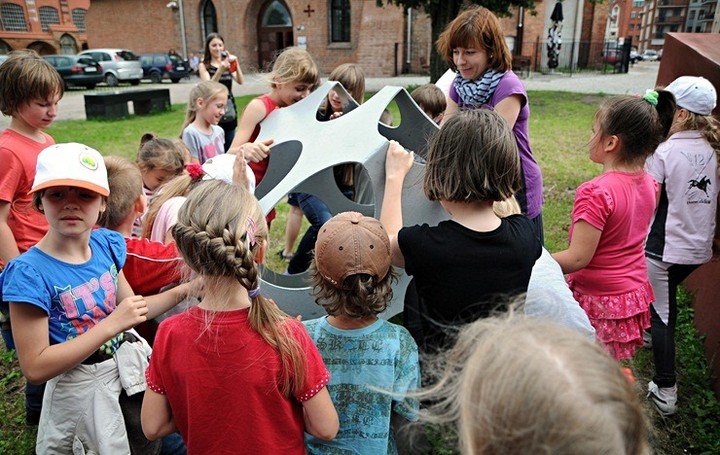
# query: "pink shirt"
[[621, 205], [166, 218]]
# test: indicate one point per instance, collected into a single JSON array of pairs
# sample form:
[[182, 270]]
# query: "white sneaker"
[[663, 398], [647, 339]]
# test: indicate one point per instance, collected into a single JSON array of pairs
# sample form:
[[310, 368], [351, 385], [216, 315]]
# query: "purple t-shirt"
[[530, 196]]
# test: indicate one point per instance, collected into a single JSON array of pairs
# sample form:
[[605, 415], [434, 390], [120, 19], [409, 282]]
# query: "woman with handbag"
[[219, 65]]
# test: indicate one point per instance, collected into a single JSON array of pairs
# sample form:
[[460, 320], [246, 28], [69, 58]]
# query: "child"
[[610, 220], [431, 100], [160, 160], [162, 214], [681, 234], [236, 358], [293, 76], [462, 265], [352, 78], [200, 132], [352, 279], [30, 90], [71, 306], [519, 385]]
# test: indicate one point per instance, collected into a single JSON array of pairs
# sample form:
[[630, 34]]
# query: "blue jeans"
[[317, 214]]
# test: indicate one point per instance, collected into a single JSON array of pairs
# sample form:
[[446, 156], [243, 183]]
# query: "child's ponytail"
[[665, 107]]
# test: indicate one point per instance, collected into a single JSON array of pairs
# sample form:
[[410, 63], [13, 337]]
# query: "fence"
[[576, 56]]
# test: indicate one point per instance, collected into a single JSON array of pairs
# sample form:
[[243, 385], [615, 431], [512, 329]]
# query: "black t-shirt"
[[462, 275]]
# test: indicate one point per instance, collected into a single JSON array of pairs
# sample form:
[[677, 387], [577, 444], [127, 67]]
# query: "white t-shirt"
[[684, 224]]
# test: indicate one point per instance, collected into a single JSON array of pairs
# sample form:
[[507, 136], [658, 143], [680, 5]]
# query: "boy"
[[30, 89], [431, 100], [373, 363]]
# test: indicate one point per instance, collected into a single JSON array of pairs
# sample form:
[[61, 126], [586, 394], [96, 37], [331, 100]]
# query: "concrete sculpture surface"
[[302, 157]]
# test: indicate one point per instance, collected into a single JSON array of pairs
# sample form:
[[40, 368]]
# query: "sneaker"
[[663, 398], [647, 339], [285, 256]]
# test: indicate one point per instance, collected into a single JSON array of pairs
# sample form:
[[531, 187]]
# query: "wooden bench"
[[115, 104]]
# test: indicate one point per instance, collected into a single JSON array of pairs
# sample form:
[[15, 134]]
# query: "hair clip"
[[651, 96], [251, 229], [195, 170]]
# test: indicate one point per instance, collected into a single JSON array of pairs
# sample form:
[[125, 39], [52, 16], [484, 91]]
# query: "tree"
[[442, 12]]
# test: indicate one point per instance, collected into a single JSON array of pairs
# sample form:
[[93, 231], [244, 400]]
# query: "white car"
[[650, 55], [118, 65]]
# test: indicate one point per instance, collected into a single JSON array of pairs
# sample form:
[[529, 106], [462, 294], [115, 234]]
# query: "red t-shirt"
[[150, 266], [223, 384], [259, 169], [18, 158]]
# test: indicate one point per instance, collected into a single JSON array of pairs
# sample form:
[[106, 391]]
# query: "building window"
[[48, 16], [633, 15], [276, 15], [209, 18], [68, 45], [13, 18], [340, 21], [78, 18]]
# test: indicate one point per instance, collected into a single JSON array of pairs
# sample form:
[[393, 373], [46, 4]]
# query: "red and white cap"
[[71, 164]]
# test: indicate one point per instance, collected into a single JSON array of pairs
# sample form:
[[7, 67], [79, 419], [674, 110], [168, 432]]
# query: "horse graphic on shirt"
[[701, 184]]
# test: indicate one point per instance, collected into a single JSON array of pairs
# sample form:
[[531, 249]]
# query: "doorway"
[[275, 32]]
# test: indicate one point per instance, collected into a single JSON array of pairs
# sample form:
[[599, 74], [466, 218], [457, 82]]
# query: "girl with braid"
[[234, 374]]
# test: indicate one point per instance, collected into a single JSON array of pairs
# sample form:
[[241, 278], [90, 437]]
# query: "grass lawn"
[[560, 128]]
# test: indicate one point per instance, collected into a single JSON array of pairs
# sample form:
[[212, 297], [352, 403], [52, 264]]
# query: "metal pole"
[[182, 29], [408, 55]]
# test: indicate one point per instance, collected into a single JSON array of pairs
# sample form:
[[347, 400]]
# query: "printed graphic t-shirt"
[[204, 146], [75, 296]]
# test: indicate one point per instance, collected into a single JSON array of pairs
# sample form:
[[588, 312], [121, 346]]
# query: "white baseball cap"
[[696, 94], [220, 167], [71, 164]]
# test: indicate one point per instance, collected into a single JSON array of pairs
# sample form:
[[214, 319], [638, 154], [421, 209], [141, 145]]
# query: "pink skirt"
[[619, 319]]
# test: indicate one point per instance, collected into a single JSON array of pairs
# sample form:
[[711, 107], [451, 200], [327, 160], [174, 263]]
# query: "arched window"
[[276, 15], [68, 46], [48, 17], [209, 18], [340, 21], [13, 17], [78, 18]]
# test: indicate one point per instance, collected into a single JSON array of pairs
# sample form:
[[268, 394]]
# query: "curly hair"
[[362, 296]]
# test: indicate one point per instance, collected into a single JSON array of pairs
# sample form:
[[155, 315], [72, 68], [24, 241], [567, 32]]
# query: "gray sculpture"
[[302, 157]]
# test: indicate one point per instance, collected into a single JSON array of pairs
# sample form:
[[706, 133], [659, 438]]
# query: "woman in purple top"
[[474, 46]]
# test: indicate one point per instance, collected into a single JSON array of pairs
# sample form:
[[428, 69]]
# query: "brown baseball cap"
[[350, 244]]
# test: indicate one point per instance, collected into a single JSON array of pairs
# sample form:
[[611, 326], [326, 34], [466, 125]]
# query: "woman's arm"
[[205, 74], [509, 109], [40, 361], [159, 303], [321, 419], [585, 239], [397, 164], [156, 416]]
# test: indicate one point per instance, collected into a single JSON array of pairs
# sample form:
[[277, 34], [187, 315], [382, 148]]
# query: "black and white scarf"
[[477, 92]]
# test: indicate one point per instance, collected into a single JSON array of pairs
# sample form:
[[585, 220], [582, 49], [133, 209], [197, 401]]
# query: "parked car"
[[118, 65], [635, 57], [650, 55], [612, 56], [157, 67], [77, 70]]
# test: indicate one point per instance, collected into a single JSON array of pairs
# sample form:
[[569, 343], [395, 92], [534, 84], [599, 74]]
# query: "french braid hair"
[[218, 232]]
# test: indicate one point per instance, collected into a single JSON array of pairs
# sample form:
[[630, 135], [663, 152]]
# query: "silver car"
[[118, 65]]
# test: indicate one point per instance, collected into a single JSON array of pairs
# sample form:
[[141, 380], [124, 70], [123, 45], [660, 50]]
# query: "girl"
[[513, 384], [461, 265], [200, 132], [352, 78], [682, 232], [236, 355], [71, 306], [159, 160], [610, 219], [219, 65], [474, 46], [293, 76]]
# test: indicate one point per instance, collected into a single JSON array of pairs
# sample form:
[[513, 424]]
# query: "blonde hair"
[[352, 77], [294, 65], [26, 77], [476, 28], [473, 157], [513, 384], [507, 207], [213, 233], [708, 125], [126, 185], [158, 153], [179, 186], [206, 91]]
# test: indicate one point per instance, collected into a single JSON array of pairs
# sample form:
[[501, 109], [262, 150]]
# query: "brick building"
[[660, 17], [47, 26], [624, 21], [701, 16]]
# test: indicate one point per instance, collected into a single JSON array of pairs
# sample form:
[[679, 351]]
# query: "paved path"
[[640, 77]]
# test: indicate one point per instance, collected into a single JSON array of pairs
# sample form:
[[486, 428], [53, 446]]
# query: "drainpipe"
[[408, 40], [182, 28], [577, 32]]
